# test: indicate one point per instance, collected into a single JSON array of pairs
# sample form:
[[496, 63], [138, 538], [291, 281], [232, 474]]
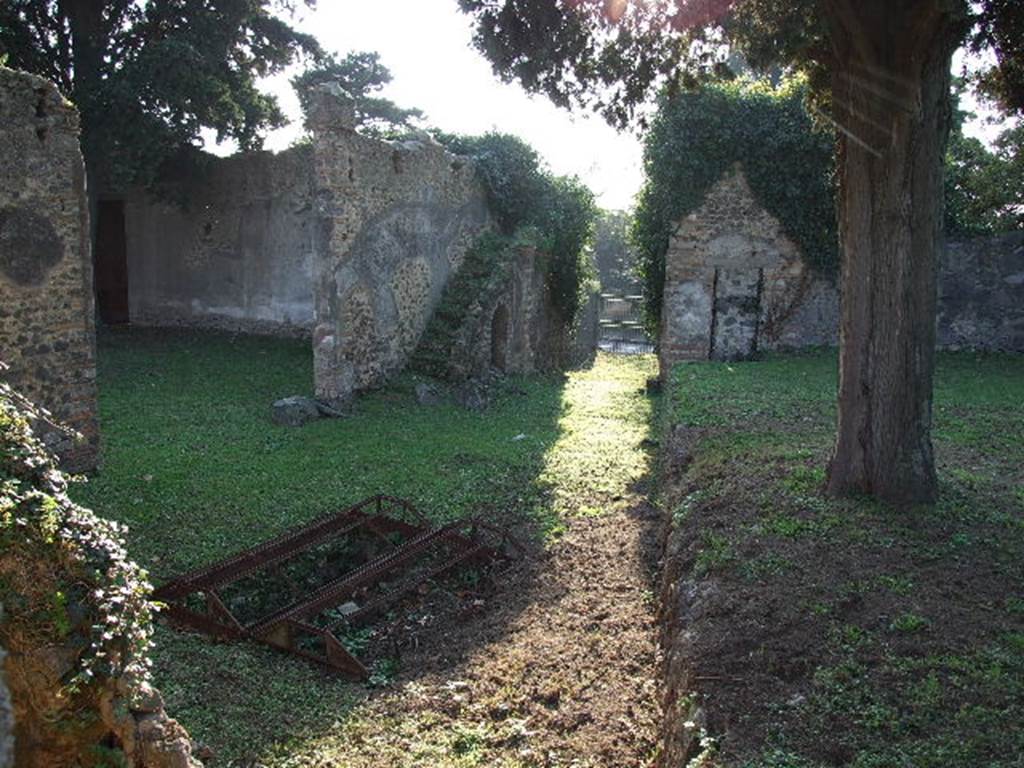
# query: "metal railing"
[[621, 327]]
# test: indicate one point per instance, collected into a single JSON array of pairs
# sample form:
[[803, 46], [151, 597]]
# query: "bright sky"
[[427, 46]]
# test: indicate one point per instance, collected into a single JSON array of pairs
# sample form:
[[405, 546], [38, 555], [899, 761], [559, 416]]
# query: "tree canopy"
[[879, 70], [165, 69], [615, 255], [362, 75], [615, 55]]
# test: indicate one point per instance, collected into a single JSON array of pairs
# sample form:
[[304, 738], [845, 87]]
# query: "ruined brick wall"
[[229, 246], [392, 223], [47, 335], [735, 283]]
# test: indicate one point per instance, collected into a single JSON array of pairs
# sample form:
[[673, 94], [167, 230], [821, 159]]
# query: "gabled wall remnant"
[[736, 285], [46, 310], [393, 222], [231, 248]]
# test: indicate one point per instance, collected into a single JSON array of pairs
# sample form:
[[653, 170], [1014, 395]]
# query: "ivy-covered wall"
[[499, 313], [75, 622]]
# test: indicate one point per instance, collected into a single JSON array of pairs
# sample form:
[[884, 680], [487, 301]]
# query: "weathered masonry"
[[345, 239], [735, 284], [393, 222], [47, 337]]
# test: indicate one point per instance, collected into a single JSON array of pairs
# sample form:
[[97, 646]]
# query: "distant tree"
[[361, 74], [614, 253], [984, 187], [148, 75], [880, 69]]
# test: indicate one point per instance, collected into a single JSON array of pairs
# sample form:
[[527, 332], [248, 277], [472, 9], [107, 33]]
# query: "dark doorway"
[[111, 263], [499, 338]]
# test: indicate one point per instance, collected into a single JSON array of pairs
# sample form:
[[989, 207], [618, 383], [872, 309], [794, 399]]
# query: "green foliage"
[[697, 136], [479, 281], [67, 579], [985, 188], [148, 77], [196, 484], [525, 195], [614, 253], [361, 74], [614, 56]]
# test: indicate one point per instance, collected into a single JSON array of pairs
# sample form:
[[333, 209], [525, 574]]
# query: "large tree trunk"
[[890, 85]]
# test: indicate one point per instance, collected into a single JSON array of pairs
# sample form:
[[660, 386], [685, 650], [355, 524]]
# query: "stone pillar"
[[47, 334]]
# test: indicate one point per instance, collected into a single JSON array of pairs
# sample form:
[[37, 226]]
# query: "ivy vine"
[[696, 136]]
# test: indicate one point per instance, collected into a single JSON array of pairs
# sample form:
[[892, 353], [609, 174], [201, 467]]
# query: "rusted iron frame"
[[278, 629]]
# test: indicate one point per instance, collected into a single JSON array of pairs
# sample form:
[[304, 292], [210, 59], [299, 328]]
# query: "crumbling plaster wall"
[[981, 294], [47, 337], [230, 247], [393, 222]]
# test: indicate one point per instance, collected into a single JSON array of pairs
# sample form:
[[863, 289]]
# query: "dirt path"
[[559, 669]]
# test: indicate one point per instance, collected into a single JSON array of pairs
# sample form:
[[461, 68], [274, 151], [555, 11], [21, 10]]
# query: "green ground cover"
[[844, 633], [194, 466]]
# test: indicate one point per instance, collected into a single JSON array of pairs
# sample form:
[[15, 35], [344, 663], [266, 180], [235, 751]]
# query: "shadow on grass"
[[196, 469]]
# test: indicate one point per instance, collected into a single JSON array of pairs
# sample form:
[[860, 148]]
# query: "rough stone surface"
[[392, 223], [981, 294], [47, 336], [516, 327], [113, 716], [736, 285], [295, 411], [231, 247], [428, 394], [473, 395]]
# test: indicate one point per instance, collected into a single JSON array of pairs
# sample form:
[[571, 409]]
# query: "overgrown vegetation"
[[196, 469], [67, 586], [529, 202], [839, 631], [479, 281], [694, 139], [614, 252], [984, 186]]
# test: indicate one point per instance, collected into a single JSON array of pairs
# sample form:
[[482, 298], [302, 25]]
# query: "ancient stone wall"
[[47, 335], [981, 294], [736, 285], [229, 246], [516, 330], [393, 221]]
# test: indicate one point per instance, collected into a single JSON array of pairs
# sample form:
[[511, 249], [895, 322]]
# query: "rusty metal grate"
[[296, 591]]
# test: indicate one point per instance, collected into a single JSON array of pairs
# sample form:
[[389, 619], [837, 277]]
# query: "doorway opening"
[[111, 263]]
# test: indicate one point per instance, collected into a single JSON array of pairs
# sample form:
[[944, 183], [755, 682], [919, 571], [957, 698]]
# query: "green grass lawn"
[[841, 632], [195, 468]]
